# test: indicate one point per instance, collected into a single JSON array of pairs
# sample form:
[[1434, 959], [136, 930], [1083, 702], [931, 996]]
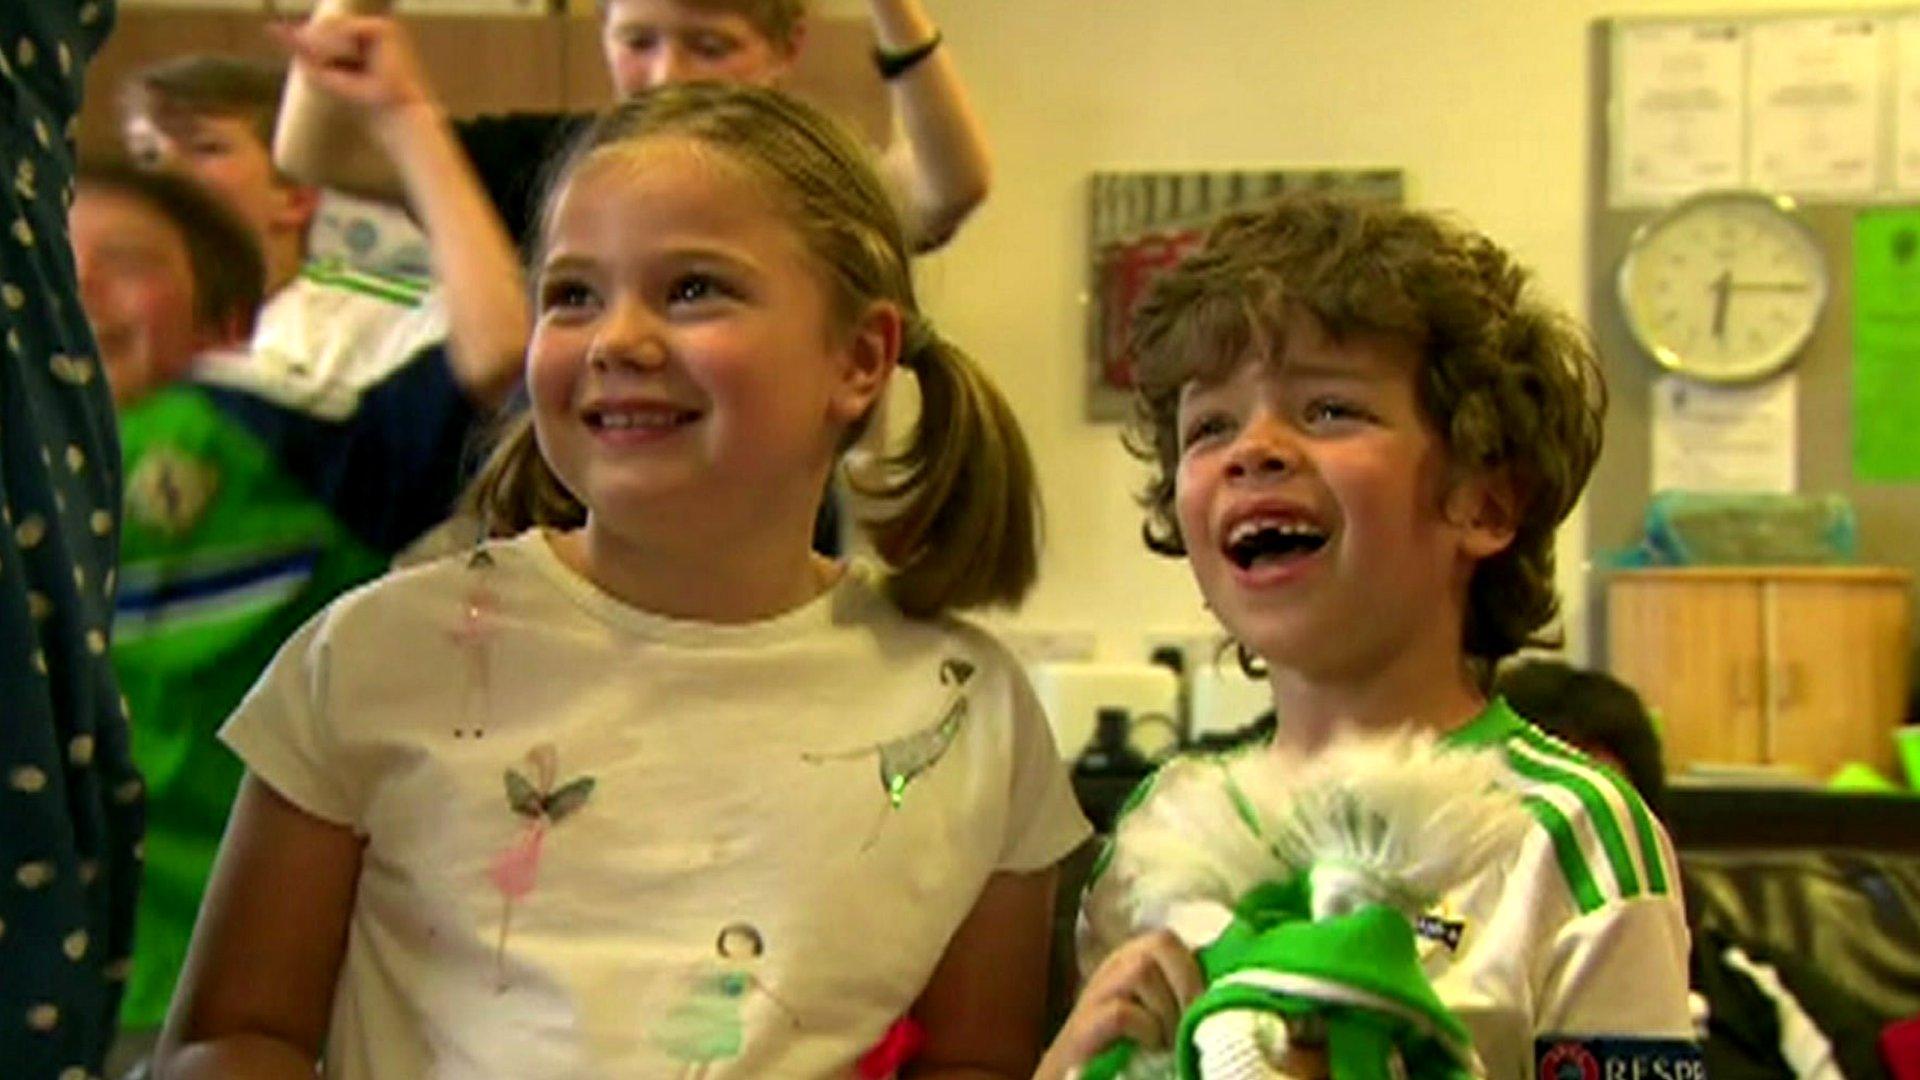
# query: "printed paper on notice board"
[[1886, 345]]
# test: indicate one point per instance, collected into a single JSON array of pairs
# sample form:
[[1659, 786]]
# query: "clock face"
[[1725, 287]]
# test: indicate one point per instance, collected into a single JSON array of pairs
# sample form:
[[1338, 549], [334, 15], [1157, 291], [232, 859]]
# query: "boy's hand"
[[1138, 993], [365, 60]]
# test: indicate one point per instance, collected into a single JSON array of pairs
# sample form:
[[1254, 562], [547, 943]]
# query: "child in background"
[[937, 170], [652, 789], [1363, 435], [327, 331], [245, 513]]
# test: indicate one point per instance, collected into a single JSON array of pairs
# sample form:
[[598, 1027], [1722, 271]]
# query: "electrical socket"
[[1055, 645]]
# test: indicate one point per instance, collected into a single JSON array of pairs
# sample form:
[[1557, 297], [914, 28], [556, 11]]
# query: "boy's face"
[[136, 286], [1310, 496], [224, 153], [650, 43]]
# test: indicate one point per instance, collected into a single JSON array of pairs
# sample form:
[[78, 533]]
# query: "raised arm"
[[368, 64], [941, 167], [320, 139]]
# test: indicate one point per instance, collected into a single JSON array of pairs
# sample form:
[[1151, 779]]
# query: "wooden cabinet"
[[1801, 667], [478, 63]]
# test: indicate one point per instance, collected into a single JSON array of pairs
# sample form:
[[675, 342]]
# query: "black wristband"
[[892, 65]]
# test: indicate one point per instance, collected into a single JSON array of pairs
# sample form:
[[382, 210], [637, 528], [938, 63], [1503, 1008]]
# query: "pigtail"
[[516, 490], [961, 518]]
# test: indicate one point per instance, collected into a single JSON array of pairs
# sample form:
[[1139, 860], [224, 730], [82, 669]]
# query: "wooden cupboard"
[[478, 63], [1804, 668]]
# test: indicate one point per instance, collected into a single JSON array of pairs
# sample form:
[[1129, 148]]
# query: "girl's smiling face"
[[1317, 509], [687, 368]]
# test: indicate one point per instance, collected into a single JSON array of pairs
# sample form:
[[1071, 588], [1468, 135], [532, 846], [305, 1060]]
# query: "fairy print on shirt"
[[541, 803], [904, 759], [707, 1024]]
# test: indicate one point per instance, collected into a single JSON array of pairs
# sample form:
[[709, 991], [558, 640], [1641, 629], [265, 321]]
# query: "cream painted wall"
[[1483, 103]]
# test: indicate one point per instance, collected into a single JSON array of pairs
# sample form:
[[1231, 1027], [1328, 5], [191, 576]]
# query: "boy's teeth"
[[1286, 527]]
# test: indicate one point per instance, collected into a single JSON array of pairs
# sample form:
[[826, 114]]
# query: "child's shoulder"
[[1591, 829], [389, 601]]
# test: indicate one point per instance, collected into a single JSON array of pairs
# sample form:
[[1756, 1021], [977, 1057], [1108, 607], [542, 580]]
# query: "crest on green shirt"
[[170, 491]]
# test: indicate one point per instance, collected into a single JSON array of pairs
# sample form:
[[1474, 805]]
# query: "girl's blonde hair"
[[956, 509]]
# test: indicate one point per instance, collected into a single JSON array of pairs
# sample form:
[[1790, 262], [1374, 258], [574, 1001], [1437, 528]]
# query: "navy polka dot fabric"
[[70, 801]]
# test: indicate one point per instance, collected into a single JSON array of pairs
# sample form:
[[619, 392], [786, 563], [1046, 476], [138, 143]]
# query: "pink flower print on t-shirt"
[[516, 869]]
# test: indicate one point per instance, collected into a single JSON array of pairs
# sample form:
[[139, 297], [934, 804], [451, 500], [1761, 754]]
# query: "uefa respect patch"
[[1605, 1057]]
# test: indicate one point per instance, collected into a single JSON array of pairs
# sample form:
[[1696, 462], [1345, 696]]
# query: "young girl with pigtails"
[[650, 788]]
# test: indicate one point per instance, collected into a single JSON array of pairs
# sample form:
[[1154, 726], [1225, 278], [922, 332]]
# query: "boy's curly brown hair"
[[1508, 383]]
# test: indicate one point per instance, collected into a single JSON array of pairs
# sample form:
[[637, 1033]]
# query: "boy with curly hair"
[[1364, 432]]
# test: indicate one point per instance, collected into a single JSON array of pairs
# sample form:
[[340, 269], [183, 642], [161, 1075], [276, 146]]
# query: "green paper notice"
[[1886, 345]]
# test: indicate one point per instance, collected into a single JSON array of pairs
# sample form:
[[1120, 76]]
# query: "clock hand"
[[1770, 286], [1722, 288]]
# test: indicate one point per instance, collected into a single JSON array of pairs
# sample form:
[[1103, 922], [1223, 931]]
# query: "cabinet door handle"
[[1741, 684], [1790, 688]]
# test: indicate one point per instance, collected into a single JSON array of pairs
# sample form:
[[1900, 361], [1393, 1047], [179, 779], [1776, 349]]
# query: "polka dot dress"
[[70, 802]]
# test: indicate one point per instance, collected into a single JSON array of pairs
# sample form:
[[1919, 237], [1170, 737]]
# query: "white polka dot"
[[23, 180], [43, 1017], [40, 661], [65, 56], [90, 12], [33, 875], [89, 869], [126, 710], [77, 370], [23, 232], [41, 133], [14, 298], [96, 642], [30, 532], [127, 793], [59, 502], [27, 778], [80, 750], [76, 457], [106, 586], [118, 970], [13, 340], [72, 1072], [139, 851], [79, 576], [38, 605], [75, 945], [25, 51], [100, 522]]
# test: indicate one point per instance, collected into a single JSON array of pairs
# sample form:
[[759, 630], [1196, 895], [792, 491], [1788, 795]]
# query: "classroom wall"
[[1483, 104]]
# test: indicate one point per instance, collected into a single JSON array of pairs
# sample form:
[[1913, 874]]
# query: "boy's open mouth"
[[1268, 541]]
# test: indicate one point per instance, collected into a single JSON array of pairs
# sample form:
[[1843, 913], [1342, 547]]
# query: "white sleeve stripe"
[[1591, 816]]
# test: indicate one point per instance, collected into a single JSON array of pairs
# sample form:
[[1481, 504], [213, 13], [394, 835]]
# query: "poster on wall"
[[1906, 103], [1140, 224], [1815, 104], [1678, 105], [1709, 437], [1886, 346]]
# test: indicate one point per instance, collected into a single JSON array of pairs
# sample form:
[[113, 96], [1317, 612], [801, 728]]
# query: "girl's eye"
[[640, 42], [562, 294], [694, 289]]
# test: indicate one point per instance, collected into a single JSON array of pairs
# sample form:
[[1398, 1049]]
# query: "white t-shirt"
[[1573, 949], [331, 333], [583, 820]]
